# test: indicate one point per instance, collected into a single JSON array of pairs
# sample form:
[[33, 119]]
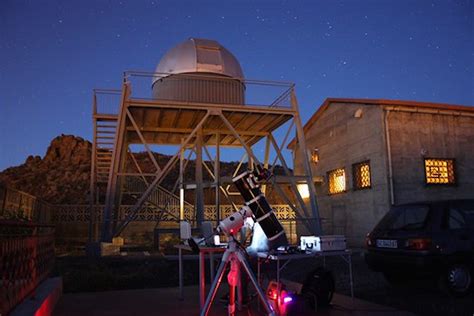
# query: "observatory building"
[[198, 106]]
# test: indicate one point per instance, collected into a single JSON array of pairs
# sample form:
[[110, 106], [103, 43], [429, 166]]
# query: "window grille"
[[361, 175], [337, 181], [439, 171]]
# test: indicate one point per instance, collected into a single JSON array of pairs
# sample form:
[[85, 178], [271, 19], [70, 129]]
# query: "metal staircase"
[[160, 199], [105, 129]]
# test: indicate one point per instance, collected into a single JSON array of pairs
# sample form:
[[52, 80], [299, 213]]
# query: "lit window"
[[315, 155], [337, 181], [303, 190], [439, 171], [361, 175]]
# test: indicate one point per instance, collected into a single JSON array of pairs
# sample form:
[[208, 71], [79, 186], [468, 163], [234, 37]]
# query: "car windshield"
[[406, 217]]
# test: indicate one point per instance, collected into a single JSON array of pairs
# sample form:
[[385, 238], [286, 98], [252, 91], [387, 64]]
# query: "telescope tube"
[[249, 187]]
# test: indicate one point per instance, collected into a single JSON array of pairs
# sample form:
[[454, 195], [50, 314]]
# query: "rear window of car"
[[460, 214], [406, 217]]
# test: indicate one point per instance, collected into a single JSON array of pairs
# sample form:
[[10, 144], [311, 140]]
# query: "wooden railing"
[[26, 259]]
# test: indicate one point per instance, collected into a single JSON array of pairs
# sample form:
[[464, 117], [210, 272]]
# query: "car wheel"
[[457, 280]]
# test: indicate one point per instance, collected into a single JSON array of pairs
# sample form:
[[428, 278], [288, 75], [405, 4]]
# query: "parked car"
[[426, 239]]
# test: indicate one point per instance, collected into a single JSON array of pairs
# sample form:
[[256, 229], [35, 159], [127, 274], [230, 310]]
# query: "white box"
[[184, 230], [323, 243]]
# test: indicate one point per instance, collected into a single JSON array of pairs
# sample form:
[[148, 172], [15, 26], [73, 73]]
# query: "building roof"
[[384, 103]]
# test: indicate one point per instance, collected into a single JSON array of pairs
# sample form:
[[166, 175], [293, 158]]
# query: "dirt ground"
[[140, 271]]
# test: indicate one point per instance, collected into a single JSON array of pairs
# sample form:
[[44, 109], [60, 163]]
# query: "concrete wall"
[[413, 135], [343, 140]]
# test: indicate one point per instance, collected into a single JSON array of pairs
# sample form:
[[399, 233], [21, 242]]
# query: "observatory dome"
[[199, 70], [200, 55]]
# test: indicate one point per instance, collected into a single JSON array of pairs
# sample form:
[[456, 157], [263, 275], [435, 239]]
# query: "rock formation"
[[60, 177]]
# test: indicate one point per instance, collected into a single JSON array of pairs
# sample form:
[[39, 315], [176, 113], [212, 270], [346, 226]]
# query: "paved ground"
[[165, 302], [419, 297], [140, 272]]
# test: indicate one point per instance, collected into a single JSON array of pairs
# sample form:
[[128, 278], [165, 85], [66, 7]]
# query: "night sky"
[[53, 53]]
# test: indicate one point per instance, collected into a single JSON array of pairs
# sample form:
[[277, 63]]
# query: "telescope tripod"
[[236, 258]]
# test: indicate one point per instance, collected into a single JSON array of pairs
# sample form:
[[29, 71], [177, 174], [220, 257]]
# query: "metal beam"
[[303, 151], [292, 180], [199, 202], [255, 159], [249, 151], [159, 177], [265, 160], [181, 180], [110, 198], [217, 172], [92, 186], [283, 143], [215, 178], [142, 139], [135, 162], [206, 131]]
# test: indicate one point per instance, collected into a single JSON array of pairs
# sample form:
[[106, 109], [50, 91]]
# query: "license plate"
[[386, 243]]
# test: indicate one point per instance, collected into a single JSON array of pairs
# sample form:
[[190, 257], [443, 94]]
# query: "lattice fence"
[[26, 259], [81, 213]]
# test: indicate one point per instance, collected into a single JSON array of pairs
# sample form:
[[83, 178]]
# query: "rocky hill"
[[62, 176]]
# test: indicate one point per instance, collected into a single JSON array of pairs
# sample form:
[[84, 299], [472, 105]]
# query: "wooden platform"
[[167, 122]]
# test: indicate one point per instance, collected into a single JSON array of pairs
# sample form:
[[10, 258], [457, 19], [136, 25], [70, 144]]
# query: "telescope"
[[248, 184], [257, 207]]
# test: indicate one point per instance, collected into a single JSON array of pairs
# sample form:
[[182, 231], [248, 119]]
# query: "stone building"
[[370, 154]]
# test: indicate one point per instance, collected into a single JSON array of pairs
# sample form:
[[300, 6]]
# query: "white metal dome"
[[200, 55]]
